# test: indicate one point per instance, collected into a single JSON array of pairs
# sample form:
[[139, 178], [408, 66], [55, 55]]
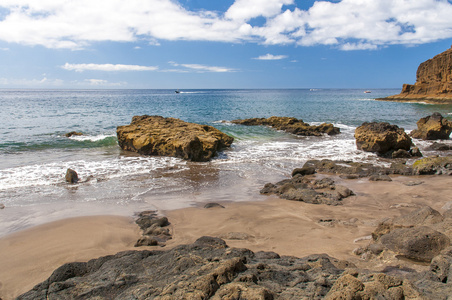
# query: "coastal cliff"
[[433, 81]]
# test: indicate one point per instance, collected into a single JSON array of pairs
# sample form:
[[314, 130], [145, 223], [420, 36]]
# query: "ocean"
[[35, 153]]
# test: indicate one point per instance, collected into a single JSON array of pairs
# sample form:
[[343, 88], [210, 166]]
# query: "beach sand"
[[286, 227]]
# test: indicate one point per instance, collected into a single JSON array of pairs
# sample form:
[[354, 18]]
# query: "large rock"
[[433, 127], [291, 125], [155, 135], [381, 138], [71, 176], [206, 269], [419, 243], [433, 81], [433, 165]]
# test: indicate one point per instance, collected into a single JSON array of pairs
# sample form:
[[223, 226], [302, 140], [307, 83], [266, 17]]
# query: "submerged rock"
[[433, 127], [155, 135], [381, 138], [292, 125]]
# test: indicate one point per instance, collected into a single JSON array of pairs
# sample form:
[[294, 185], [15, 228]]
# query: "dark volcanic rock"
[[71, 176], [381, 138], [433, 127], [203, 270], [213, 205], [291, 125], [154, 228], [155, 135], [309, 190], [420, 243]]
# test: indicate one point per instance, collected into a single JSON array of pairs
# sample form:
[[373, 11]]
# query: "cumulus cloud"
[[269, 56], [346, 24], [106, 67]]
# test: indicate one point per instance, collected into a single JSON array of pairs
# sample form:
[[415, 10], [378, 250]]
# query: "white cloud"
[[106, 67], [199, 68], [101, 82], [269, 56], [346, 24], [25, 82]]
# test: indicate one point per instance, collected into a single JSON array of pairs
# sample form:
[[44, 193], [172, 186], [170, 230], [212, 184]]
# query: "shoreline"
[[283, 226]]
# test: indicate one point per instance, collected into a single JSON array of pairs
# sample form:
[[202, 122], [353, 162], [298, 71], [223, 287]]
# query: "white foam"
[[91, 138]]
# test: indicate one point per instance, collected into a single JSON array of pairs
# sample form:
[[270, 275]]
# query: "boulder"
[[291, 125], [382, 138], [435, 146], [69, 134], [154, 229], [419, 243], [71, 176], [433, 127], [155, 135]]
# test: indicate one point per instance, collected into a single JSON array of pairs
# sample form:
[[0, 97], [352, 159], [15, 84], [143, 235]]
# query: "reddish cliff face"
[[433, 81]]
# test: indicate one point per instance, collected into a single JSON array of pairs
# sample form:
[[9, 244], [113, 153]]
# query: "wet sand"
[[286, 227]]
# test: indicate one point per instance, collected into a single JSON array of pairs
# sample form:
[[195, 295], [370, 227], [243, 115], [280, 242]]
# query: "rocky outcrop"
[[433, 127], [382, 138], [291, 125], [309, 190], [155, 135], [206, 269], [433, 81]]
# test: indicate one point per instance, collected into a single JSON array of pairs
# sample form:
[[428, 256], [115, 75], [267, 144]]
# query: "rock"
[[413, 182], [433, 165], [433, 81], [2, 206], [439, 147], [354, 170], [154, 229], [213, 205], [69, 134], [236, 236], [381, 138], [415, 152], [206, 269], [303, 171], [419, 243], [433, 127], [71, 176], [155, 135], [380, 178], [291, 125], [401, 153], [309, 190]]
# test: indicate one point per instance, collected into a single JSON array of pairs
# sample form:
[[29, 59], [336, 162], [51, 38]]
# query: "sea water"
[[35, 153]]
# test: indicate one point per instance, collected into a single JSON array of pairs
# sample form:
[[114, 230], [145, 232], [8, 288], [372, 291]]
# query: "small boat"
[[177, 91], [367, 92]]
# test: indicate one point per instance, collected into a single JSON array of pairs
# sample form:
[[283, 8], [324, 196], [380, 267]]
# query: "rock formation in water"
[[155, 135], [433, 81], [291, 125], [433, 127]]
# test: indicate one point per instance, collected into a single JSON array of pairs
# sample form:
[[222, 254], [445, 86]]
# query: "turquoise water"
[[34, 153]]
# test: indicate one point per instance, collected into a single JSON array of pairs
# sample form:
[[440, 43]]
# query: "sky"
[[194, 44]]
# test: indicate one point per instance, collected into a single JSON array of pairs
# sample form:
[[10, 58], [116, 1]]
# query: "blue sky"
[[219, 44]]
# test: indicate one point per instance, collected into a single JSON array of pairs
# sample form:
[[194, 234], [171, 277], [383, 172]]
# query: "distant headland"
[[433, 82]]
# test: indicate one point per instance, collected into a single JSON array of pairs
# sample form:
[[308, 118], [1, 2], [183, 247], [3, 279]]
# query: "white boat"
[[367, 92]]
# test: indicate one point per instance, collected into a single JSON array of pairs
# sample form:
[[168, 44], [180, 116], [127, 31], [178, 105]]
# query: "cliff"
[[433, 81]]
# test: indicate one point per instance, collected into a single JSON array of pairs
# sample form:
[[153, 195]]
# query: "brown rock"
[[433, 81], [381, 138], [419, 243], [292, 125], [433, 127], [155, 135], [69, 134], [71, 176]]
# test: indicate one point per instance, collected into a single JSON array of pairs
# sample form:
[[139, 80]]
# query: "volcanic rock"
[[291, 125], [154, 229], [433, 165], [433, 81], [420, 243], [309, 190], [155, 135], [381, 138], [433, 127]]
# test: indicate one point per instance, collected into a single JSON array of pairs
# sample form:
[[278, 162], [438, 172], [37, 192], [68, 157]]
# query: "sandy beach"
[[286, 227]]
